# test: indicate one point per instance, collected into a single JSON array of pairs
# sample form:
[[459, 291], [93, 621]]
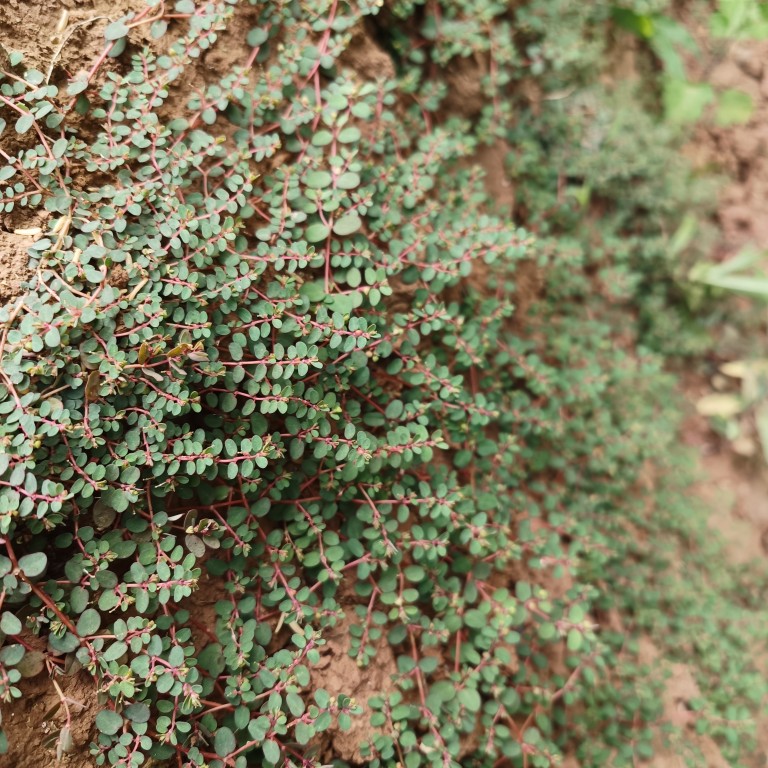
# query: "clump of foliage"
[[271, 342]]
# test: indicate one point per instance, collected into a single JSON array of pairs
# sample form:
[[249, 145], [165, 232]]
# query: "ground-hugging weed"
[[271, 340]]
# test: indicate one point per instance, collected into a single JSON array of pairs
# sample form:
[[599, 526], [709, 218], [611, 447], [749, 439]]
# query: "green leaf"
[[639, 24], [158, 29], [103, 515], [116, 30], [470, 698], [257, 36], [734, 107], [271, 751], [52, 338], [116, 499], [9, 624], [354, 277], [295, 704], [109, 722], [303, 733], [322, 138], [442, 691], [318, 179], [115, 651], [361, 110], [575, 640], [348, 224], [684, 102], [33, 565], [547, 630], [753, 286], [89, 622], [224, 742], [65, 643], [259, 728], [195, 545], [670, 39], [475, 619], [11, 655], [314, 290], [683, 236], [316, 232], [227, 402], [348, 180], [59, 147], [24, 123], [77, 86], [32, 664], [349, 135], [137, 713]]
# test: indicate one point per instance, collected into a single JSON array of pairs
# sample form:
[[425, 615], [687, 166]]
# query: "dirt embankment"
[[738, 497], [734, 490], [742, 150]]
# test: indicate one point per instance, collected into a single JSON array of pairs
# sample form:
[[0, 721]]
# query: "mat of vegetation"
[[319, 449]]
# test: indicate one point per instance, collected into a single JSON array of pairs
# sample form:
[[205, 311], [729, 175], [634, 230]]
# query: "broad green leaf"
[[349, 135], [322, 138], [116, 30], [684, 102], [89, 622], [318, 179], [271, 751], [348, 180], [639, 24], [9, 624], [734, 107], [34, 565], [224, 742], [575, 640], [470, 698], [108, 722], [32, 664], [316, 232], [24, 123], [11, 654], [348, 224]]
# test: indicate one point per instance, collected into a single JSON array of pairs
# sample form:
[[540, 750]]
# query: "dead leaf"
[[719, 404]]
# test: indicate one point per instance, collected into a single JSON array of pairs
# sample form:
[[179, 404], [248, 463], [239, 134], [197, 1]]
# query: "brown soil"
[[740, 150], [32, 27], [337, 671], [735, 490], [364, 57], [13, 263], [34, 722], [680, 689]]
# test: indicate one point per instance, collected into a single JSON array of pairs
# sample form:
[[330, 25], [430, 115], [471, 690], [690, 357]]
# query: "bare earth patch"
[[13, 263], [338, 671], [33, 723]]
